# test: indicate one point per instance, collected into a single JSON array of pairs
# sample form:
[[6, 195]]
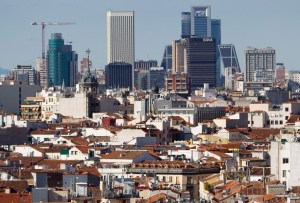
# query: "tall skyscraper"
[[118, 75], [167, 57], [201, 21], [185, 24], [121, 38], [201, 61], [62, 62], [216, 33], [255, 59], [229, 56], [179, 56]]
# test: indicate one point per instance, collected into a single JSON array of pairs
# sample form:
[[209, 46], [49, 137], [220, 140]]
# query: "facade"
[[201, 61], [25, 74], [167, 58], [201, 21], [280, 73], [151, 77], [178, 83], [85, 63], [178, 56], [144, 65], [185, 24], [229, 56], [216, 34], [41, 68], [121, 38], [230, 74], [62, 62], [118, 75], [261, 75], [258, 59], [15, 93]]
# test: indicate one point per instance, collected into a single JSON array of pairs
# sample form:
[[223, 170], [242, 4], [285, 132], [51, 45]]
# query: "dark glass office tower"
[[167, 58], [216, 33], [201, 21], [229, 56], [185, 24], [201, 61], [118, 75], [62, 62]]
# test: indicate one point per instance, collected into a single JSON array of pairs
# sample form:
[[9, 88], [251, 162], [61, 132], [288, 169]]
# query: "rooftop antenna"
[[88, 51]]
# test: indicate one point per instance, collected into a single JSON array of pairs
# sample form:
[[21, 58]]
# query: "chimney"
[[7, 190]]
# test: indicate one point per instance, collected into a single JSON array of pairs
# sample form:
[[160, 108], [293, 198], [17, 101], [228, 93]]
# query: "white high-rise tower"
[[120, 38]]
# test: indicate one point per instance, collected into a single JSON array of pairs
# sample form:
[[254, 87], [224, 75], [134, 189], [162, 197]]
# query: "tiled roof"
[[123, 154], [55, 163], [17, 185], [77, 140], [44, 132], [231, 145], [82, 148], [265, 198], [90, 170], [25, 161], [220, 154], [56, 148], [292, 119], [15, 198]]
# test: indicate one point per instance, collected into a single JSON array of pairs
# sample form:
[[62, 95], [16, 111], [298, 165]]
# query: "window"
[[283, 173], [170, 179], [286, 117], [285, 160], [286, 109], [281, 122]]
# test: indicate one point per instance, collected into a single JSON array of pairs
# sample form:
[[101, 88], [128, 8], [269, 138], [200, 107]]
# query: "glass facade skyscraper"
[[185, 24], [118, 75], [62, 62], [201, 61], [201, 21], [216, 33], [167, 57], [229, 56]]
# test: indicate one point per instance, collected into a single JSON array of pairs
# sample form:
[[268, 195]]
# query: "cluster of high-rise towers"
[[198, 55]]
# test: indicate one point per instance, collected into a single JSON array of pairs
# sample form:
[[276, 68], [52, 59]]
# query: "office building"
[[26, 74], [118, 75], [167, 58], [144, 65], [216, 34], [179, 56], [201, 61], [121, 38], [229, 57], [62, 62], [258, 58], [155, 76], [230, 74], [201, 21], [185, 24]]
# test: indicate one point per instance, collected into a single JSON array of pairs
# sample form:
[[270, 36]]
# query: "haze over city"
[[157, 22]]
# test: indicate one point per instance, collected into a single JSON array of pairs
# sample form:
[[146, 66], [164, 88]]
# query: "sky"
[[255, 23]]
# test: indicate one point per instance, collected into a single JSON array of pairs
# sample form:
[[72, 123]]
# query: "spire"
[[88, 51], [63, 86]]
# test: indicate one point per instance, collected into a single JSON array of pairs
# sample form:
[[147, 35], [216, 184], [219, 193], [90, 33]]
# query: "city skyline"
[[243, 24]]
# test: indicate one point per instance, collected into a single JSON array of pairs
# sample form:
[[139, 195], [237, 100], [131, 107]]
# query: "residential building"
[[280, 73], [121, 38], [185, 24], [41, 68], [258, 58], [264, 75], [178, 83], [62, 63], [118, 75], [85, 63], [15, 93]]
